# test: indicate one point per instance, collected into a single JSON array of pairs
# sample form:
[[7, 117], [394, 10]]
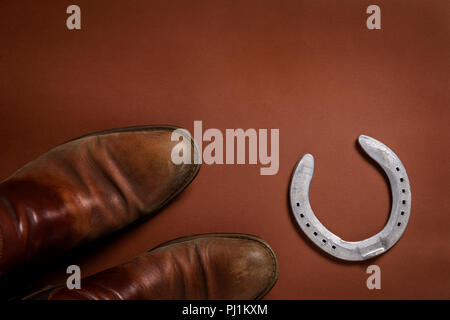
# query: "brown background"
[[310, 68]]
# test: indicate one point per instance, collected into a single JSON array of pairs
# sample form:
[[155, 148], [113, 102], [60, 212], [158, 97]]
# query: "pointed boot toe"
[[209, 266], [87, 188], [234, 266]]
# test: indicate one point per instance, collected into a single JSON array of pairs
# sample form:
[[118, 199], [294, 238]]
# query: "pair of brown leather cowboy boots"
[[94, 185]]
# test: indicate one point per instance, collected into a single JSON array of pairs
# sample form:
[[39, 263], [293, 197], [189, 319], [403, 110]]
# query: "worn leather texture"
[[212, 266], [88, 188], [309, 68]]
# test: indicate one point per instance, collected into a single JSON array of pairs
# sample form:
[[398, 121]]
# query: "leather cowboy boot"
[[87, 188], [210, 266]]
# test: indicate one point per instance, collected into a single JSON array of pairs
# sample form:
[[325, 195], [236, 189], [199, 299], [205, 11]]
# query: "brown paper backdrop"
[[310, 68]]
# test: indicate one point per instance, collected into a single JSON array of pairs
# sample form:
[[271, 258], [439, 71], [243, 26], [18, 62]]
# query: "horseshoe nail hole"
[[398, 169], [401, 179], [403, 190], [403, 201], [301, 215], [334, 247], [298, 204], [324, 241], [402, 213], [307, 225], [399, 224], [315, 233]]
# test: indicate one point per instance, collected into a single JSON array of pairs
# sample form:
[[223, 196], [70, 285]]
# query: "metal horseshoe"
[[331, 243]]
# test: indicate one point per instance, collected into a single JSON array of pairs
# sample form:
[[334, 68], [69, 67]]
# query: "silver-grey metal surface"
[[331, 243]]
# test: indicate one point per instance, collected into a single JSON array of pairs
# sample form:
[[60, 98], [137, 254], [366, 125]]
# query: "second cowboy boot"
[[87, 188], [208, 266]]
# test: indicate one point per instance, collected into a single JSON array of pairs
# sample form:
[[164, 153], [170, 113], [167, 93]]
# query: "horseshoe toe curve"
[[331, 243]]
